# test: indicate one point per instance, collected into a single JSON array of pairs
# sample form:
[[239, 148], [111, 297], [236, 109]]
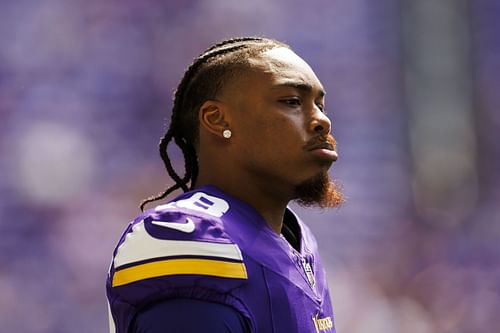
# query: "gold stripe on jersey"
[[168, 267]]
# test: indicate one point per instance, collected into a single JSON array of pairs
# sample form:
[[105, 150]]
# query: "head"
[[273, 104]]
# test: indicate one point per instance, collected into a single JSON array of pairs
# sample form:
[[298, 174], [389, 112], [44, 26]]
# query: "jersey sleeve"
[[173, 253], [189, 316]]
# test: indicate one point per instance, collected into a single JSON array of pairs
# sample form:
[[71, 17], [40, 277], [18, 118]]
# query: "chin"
[[319, 191]]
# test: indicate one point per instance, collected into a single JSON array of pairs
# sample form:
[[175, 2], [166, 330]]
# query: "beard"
[[320, 191]]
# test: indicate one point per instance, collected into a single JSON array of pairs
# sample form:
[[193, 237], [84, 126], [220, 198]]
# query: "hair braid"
[[183, 129]]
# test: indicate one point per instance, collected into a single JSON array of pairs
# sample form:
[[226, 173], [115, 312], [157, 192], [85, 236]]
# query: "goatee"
[[320, 191]]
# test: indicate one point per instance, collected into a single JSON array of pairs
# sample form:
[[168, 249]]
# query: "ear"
[[213, 117]]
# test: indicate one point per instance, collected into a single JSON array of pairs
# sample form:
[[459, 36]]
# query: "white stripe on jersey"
[[112, 328], [139, 245]]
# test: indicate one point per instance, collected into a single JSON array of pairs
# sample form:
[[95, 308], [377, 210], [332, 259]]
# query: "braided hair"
[[202, 81]]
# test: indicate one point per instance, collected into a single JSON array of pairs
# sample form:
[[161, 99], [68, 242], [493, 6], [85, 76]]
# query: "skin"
[[274, 111]]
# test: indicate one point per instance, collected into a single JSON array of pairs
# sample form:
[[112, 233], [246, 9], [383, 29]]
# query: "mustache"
[[322, 141]]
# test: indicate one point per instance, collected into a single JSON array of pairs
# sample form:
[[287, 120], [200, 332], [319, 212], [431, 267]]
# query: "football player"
[[228, 255]]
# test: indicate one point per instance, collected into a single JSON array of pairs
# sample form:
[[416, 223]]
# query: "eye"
[[293, 101], [321, 107]]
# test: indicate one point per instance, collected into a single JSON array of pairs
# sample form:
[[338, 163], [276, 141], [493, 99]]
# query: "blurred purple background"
[[414, 97]]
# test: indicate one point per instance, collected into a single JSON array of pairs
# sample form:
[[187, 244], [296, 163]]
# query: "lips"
[[321, 145], [322, 148]]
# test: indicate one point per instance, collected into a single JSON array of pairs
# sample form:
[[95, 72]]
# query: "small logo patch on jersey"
[[322, 324], [309, 272], [187, 227]]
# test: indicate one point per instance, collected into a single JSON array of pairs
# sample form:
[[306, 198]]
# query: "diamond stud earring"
[[227, 133]]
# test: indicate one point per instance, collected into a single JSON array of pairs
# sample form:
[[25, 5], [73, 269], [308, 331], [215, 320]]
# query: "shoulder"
[[174, 246]]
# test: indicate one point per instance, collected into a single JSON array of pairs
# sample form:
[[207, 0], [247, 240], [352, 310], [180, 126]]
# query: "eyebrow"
[[306, 87]]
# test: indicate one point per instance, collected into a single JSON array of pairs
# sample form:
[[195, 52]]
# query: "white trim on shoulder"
[[139, 245]]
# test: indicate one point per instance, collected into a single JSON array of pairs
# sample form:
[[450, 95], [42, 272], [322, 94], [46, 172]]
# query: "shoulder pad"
[[170, 242]]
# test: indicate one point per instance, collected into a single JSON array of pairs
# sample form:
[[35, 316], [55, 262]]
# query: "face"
[[281, 135]]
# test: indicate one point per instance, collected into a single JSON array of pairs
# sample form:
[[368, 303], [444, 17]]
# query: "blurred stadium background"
[[414, 97]]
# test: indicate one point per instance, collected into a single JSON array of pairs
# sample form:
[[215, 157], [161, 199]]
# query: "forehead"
[[282, 65]]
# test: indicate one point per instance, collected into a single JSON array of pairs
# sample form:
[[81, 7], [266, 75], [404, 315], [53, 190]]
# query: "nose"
[[320, 123]]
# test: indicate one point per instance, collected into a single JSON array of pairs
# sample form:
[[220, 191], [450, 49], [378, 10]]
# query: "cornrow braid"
[[203, 80]]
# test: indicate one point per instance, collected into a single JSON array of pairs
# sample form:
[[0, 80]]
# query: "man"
[[228, 255]]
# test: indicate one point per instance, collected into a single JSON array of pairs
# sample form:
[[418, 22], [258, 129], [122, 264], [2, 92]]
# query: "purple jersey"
[[209, 246]]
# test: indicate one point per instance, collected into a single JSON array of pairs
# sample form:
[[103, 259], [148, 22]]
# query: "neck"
[[262, 196]]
